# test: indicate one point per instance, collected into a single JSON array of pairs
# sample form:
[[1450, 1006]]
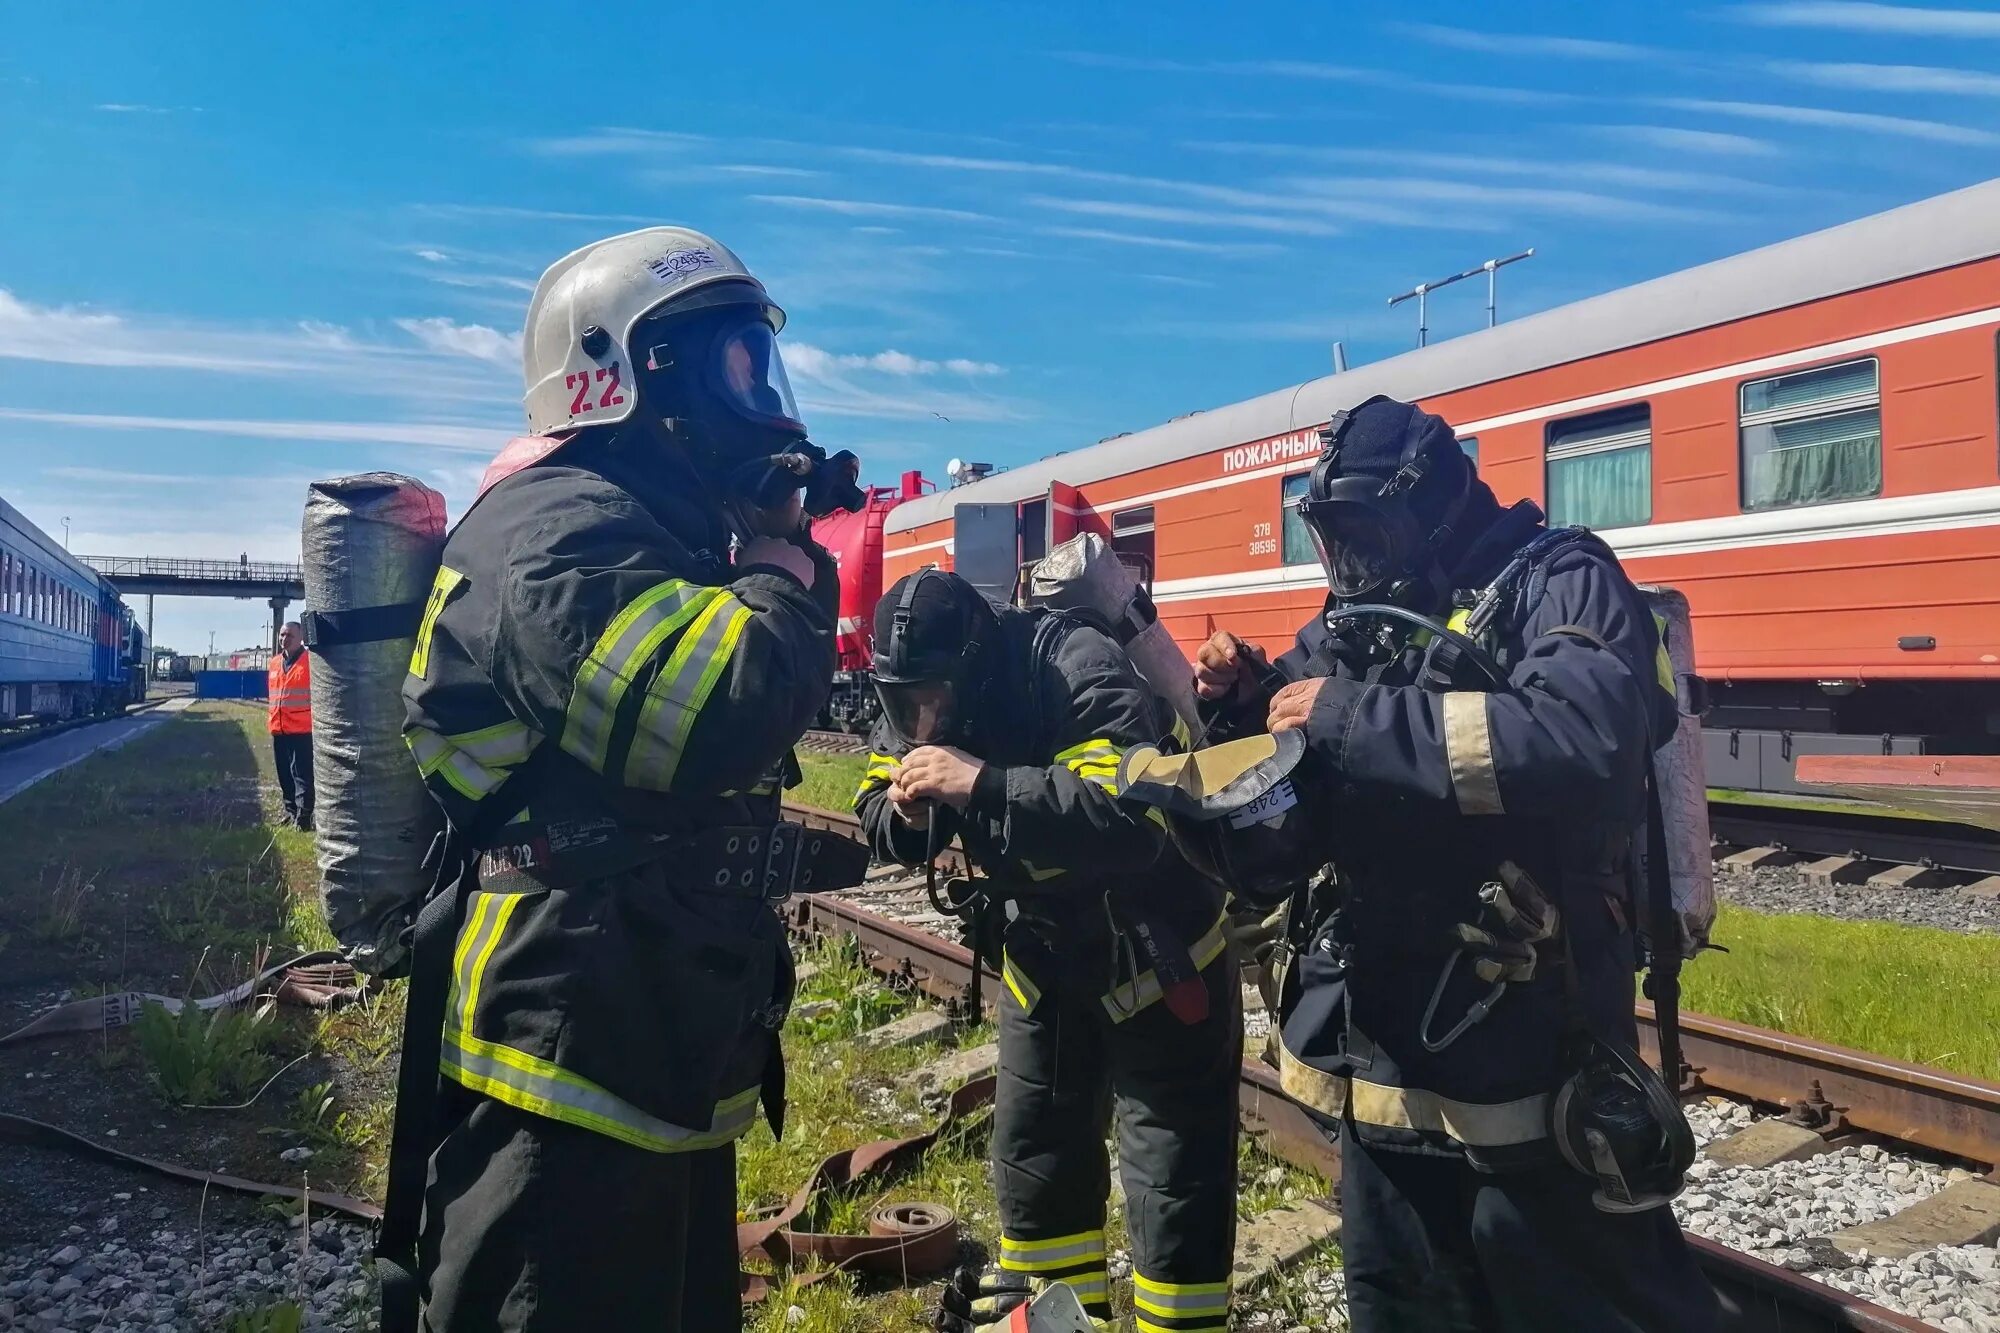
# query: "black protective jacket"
[[1084, 871], [1429, 786], [600, 702]]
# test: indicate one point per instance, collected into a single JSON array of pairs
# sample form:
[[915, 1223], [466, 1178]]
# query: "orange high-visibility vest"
[[290, 689]]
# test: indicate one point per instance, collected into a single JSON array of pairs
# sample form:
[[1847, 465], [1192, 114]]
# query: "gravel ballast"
[[1781, 889]]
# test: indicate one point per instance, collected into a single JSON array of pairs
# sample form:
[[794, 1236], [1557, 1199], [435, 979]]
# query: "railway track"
[[833, 742], [1860, 834], [1842, 1096]]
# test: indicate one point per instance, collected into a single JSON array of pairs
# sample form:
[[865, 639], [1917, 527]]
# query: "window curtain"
[[1814, 461], [1613, 489]]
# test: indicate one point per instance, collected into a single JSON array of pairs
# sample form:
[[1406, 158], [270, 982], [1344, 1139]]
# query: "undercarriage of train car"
[[1755, 731]]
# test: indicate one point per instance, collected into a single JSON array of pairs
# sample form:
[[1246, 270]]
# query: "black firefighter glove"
[[976, 1299]]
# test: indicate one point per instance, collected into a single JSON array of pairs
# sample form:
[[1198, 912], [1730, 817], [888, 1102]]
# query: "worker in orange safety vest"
[[290, 691]]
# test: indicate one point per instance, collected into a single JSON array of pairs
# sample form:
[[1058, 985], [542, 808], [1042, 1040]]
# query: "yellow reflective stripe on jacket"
[[1131, 997], [1094, 761], [1181, 1301], [442, 587], [1080, 1250], [473, 763], [1474, 1124], [1025, 992], [1663, 662], [485, 923], [634, 636], [676, 695], [545, 1089], [881, 768]]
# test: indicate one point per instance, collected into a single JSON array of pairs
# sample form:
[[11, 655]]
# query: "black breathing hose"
[[1474, 654]]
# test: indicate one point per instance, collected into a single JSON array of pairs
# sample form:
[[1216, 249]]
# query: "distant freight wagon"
[[69, 647]]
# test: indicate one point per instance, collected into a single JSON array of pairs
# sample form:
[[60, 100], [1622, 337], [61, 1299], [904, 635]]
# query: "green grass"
[[1909, 992], [830, 781]]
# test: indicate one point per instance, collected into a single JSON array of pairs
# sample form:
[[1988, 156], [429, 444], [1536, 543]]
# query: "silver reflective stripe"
[[536, 1085], [1040, 1256], [1475, 1124], [1180, 1300], [1468, 747], [676, 695], [503, 745], [626, 645]]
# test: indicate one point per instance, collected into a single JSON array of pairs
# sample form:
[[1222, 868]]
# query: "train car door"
[[986, 547]]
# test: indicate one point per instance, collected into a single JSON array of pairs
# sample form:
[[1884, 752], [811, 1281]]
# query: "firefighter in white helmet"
[[630, 629]]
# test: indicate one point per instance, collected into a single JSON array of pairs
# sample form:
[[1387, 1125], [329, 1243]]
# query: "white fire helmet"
[[576, 351]]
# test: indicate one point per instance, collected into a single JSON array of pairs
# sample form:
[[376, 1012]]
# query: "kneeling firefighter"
[[1005, 728], [1479, 700], [629, 630]]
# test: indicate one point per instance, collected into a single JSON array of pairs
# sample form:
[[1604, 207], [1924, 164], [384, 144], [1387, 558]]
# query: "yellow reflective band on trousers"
[[1025, 992], [1081, 1250], [473, 763], [1094, 761], [541, 1086], [1474, 1124], [1468, 748], [1131, 997], [1190, 1305], [442, 587], [632, 640], [676, 695]]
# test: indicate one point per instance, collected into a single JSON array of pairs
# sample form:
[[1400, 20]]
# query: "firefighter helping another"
[[1450, 820]]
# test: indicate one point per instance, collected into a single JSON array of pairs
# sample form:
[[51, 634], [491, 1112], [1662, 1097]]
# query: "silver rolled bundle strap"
[[1679, 777], [371, 545]]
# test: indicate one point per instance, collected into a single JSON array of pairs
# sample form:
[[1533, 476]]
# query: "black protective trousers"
[[1430, 1245], [292, 754], [535, 1226], [1064, 1069]]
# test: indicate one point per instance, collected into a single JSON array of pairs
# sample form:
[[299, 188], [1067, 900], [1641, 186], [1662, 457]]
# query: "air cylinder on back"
[[1085, 573], [371, 544], [1683, 786]]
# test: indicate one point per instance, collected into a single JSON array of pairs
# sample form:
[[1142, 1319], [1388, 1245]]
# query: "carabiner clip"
[[1475, 1014]]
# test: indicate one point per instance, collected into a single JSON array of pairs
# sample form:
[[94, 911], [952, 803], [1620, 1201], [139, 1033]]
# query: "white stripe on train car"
[[1887, 517]]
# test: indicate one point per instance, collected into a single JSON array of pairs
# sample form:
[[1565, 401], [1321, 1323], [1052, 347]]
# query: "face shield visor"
[[1361, 545], [747, 374], [920, 712]]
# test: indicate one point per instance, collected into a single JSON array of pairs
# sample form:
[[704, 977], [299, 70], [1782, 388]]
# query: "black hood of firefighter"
[[1392, 503], [934, 634]]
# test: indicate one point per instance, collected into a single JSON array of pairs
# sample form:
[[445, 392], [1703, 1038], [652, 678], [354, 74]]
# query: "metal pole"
[[149, 636], [1490, 268], [1492, 284], [1423, 317]]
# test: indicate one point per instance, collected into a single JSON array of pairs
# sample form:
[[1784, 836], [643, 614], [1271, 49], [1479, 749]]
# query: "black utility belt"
[[771, 861]]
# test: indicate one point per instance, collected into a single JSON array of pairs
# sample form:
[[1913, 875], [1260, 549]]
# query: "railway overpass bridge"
[[277, 584]]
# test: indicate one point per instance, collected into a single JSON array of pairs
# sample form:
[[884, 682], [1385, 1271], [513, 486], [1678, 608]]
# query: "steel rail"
[[1867, 836], [1757, 1295]]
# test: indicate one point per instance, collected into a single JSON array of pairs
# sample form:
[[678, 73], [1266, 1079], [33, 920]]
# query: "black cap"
[[1379, 437], [940, 613]]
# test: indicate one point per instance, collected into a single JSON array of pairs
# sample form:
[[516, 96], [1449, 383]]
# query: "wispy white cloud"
[[134, 109], [1569, 172], [1521, 198], [1173, 280], [120, 476], [1217, 249], [1192, 217], [614, 141], [430, 256], [761, 169], [1315, 70], [870, 208], [1679, 140], [1777, 113], [503, 281], [515, 213], [431, 435], [1523, 44], [1859, 16], [474, 340], [807, 359], [1929, 79]]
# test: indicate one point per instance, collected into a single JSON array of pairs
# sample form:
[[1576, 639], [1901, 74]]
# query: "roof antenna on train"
[[1491, 268], [1339, 357]]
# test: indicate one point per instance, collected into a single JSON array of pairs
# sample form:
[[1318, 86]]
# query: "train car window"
[[1132, 541], [1813, 436], [6, 583], [1600, 469], [1295, 544], [1470, 444]]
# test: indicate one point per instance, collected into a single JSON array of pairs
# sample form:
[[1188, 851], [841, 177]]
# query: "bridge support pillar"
[[278, 605]]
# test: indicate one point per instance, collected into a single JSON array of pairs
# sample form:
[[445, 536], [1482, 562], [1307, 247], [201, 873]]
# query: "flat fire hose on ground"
[[906, 1240]]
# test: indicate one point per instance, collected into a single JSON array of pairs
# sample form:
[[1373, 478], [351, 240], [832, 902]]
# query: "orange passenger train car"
[[1804, 438]]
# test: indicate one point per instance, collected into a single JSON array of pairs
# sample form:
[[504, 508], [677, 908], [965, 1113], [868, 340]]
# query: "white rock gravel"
[[1784, 889], [1783, 1215], [159, 1279]]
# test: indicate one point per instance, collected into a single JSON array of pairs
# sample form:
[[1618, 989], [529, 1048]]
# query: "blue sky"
[[244, 247]]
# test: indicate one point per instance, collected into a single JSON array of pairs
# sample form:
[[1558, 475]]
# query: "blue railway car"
[[69, 646]]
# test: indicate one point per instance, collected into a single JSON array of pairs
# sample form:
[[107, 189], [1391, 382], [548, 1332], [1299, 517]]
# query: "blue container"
[[231, 685]]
